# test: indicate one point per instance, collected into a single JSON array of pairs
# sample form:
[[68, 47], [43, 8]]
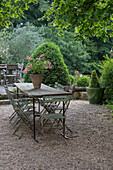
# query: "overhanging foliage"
[[88, 17], [12, 9]]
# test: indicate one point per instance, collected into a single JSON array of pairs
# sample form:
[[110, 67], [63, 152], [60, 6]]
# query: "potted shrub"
[[94, 91]]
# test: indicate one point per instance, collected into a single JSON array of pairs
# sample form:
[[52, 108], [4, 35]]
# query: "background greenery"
[[81, 44]]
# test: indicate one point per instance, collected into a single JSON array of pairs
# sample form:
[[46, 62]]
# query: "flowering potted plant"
[[36, 67]]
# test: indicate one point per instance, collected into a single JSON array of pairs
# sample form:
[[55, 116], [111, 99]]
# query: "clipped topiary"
[[59, 72], [94, 82]]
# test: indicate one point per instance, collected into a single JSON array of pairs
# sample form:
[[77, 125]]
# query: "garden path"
[[89, 147]]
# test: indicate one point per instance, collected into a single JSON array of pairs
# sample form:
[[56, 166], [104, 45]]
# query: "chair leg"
[[60, 121], [52, 124], [63, 124], [14, 133], [17, 128], [42, 126], [12, 116], [17, 122]]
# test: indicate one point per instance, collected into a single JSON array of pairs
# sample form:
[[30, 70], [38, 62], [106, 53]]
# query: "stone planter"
[[95, 95]]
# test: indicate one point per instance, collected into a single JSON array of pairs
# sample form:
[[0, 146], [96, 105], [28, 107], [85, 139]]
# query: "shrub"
[[83, 82], [59, 72], [71, 79], [107, 78], [94, 82]]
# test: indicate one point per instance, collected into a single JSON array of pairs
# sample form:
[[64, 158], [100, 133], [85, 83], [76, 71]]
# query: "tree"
[[88, 17], [74, 52], [36, 11], [12, 9], [23, 41], [4, 46]]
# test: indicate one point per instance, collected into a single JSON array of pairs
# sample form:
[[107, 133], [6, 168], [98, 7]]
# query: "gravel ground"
[[89, 147]]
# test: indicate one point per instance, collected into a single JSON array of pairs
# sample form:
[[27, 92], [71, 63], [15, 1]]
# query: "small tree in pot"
[[94, 91]]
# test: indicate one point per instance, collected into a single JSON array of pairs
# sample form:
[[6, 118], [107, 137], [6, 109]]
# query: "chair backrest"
[[3, 65], [12, 69], [11, 74], [48, 99], [20, 69], [12, 66], [52, 103]]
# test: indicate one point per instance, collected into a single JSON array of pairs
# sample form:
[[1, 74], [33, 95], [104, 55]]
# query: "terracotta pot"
[[36, 80]]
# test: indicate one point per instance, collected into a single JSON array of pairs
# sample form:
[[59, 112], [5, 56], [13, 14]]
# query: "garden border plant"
[[83, 81], [105, 67]]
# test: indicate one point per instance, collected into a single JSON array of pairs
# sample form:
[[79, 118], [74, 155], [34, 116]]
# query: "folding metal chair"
[[54, 108], [11, 74], [21, 113]]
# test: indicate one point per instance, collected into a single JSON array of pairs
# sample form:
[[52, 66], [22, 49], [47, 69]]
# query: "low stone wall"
[[80, 95]]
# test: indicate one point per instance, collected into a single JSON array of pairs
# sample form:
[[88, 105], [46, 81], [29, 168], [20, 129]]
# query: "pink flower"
[[28, 57], [37, 64], [30, 66], [50, 67], [49, 64], [42, 55], [25, 70], [38, 58]]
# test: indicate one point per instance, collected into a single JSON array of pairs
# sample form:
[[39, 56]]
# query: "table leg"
[[34, 135], [63, 122], [0, 76], [17, 93]]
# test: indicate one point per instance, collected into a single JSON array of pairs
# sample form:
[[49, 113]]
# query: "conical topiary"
[[94, 82]]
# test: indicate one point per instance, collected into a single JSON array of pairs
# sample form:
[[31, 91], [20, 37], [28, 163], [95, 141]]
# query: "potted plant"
[[36, 67], [94, 91]]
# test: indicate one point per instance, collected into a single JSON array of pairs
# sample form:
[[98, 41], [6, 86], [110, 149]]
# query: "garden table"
[[28, 89]]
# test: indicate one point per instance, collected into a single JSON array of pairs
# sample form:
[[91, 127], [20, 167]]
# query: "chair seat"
[[11, 75], [53, 116]]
